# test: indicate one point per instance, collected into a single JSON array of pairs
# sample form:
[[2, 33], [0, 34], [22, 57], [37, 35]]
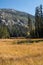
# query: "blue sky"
[[21, 5]]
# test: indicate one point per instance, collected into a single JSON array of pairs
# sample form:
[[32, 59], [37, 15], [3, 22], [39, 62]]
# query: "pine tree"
[[38, 21], [4, 33]]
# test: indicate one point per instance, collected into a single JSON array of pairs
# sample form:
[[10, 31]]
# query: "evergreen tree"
[[38, 21], [4, 32]]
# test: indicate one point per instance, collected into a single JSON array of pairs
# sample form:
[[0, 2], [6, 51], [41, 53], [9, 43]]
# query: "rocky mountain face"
[[16, 21]]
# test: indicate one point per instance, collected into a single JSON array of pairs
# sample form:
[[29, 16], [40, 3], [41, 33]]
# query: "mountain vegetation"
[[15, 23], [20, 24]]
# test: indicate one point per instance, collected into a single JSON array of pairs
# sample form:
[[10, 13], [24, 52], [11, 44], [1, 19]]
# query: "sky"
[[27, 6]]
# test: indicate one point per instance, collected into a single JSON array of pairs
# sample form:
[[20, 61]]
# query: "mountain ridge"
[[16, 20]]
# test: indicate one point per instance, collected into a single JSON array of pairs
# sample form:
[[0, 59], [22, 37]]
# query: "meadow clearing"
[[21, 52]]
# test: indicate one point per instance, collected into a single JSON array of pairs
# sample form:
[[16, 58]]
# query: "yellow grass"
[[20, 54]]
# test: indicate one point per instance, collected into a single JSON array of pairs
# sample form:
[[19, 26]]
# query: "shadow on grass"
[[29, 41]]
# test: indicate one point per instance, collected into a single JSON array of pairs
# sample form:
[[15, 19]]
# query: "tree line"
[[38, 32]]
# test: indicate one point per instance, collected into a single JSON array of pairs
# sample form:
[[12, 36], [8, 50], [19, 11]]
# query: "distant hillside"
[[15, 21]]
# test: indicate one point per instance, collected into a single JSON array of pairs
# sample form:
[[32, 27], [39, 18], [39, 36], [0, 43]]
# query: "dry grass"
[[20, 54]]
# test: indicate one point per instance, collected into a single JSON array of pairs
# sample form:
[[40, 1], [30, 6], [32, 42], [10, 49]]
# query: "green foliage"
[[4, 32], [39, 21], [32, 35], [15, 32], [18, 31]]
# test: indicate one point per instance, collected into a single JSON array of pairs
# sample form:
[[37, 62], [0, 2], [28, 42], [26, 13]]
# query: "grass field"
[[14, 52]]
